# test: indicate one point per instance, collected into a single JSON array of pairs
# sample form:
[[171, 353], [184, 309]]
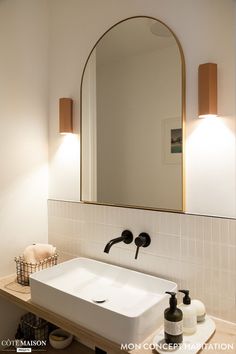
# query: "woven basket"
[[24, 269]]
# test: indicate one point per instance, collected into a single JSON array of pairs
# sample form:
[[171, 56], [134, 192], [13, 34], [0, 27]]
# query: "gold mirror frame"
[[183, 110]]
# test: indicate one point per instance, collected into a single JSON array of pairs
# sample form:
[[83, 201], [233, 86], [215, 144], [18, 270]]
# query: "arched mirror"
[[132, 117]]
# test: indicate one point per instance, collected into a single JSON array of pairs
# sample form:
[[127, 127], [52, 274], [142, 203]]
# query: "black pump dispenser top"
[[186, 298], [173, 300]]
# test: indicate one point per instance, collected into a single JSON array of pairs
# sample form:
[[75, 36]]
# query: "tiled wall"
[[197, 252]]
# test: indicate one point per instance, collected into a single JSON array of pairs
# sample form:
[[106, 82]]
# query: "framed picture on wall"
[[172, 140]]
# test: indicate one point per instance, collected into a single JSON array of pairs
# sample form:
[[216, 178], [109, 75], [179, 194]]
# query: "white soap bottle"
[[189, 314]]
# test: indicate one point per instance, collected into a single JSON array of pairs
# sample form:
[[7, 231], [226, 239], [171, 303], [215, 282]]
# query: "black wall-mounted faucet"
[[126, 237], [143, 240]]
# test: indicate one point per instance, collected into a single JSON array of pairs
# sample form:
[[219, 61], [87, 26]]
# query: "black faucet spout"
[[126, 237], [112, 242]]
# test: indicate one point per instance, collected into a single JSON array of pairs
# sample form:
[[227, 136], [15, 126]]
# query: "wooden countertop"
[[20, 295]]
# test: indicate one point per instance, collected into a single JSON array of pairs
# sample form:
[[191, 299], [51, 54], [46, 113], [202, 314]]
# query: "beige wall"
[[23, 143]]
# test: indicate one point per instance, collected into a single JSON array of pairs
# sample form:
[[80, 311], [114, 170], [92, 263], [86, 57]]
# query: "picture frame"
[[172, 140]]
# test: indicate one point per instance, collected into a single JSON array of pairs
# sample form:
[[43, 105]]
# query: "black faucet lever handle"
[[143, 240], [137, 251]]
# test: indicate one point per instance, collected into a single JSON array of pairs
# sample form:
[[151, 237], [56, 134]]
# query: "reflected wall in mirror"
[[132, 115]]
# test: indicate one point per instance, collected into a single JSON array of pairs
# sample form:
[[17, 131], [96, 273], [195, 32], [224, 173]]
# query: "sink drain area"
[[99, 300]]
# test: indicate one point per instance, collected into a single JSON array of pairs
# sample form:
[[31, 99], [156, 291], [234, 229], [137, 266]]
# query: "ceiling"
[[133, 37]]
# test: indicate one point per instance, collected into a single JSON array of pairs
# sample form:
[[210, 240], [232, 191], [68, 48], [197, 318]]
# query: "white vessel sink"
[[119, 304]]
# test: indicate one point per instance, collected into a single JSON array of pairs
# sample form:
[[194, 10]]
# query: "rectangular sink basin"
[[119, 304]]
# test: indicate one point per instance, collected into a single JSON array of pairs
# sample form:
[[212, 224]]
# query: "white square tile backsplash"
[[197, 252]]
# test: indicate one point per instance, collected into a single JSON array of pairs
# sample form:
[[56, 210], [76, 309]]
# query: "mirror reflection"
[[132, 118]]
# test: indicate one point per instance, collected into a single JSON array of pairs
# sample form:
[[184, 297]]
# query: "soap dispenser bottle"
[[189, 314], [173, 322]]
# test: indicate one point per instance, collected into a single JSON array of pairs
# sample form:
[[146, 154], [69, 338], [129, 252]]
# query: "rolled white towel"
[[38, 252]]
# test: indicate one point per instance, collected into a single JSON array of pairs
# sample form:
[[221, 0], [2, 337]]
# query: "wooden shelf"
[[20, 295]]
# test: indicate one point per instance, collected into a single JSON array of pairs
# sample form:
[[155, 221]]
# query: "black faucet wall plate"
[[128, 236], [143, 240]]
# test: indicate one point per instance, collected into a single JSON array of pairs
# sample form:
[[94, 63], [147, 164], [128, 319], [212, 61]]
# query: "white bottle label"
[[173, 328], [190, 322]]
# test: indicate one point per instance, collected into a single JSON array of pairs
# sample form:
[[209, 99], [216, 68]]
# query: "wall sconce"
[[65, 115], [207, 90]]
